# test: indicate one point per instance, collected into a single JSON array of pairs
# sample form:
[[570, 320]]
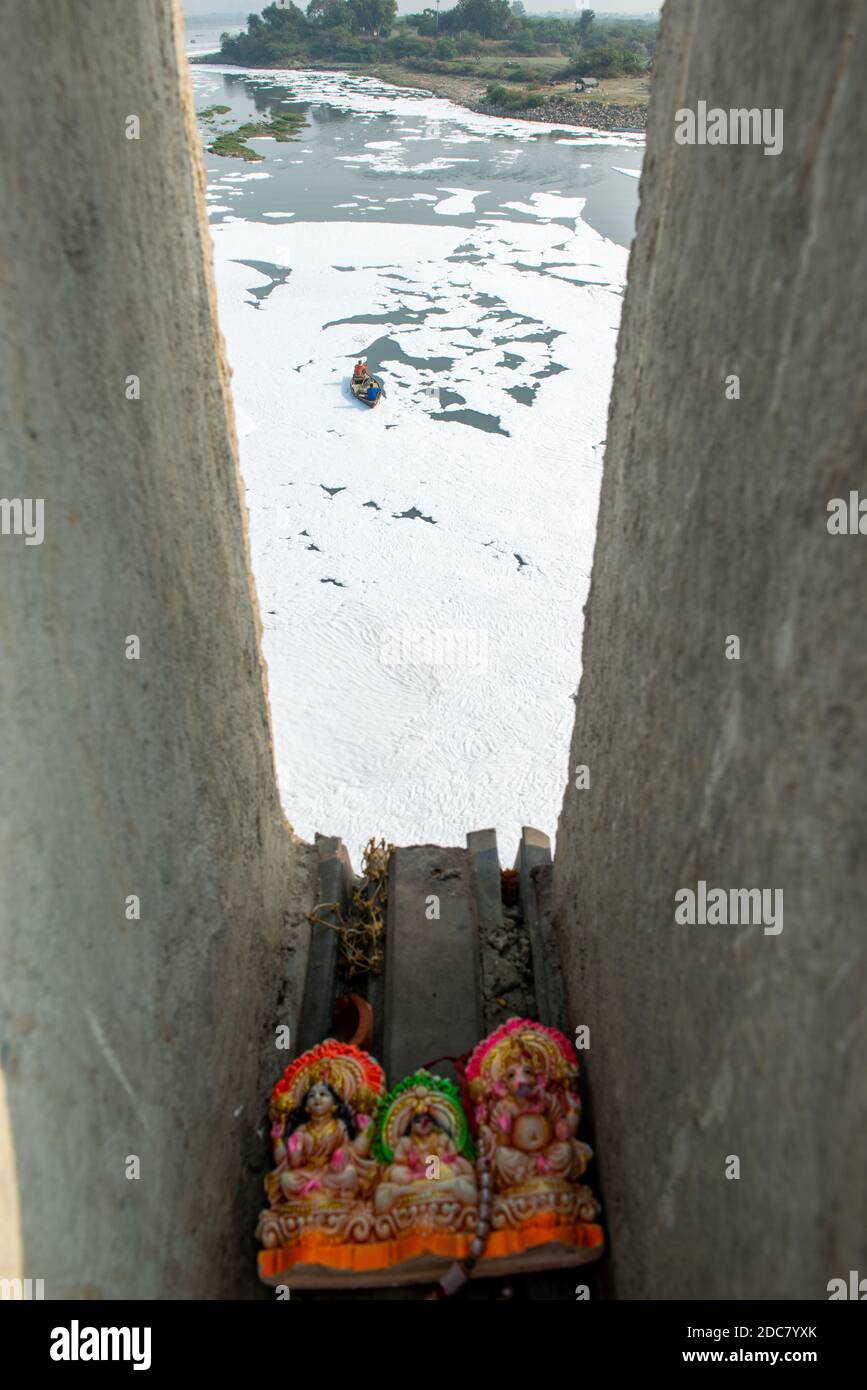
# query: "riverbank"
[[618, 104], [597, 115]]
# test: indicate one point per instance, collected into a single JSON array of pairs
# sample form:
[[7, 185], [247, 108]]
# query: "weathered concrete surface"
[[432, 970], [335, 880], [504, 947], [534, 853], [711, 1041], [151, 777]]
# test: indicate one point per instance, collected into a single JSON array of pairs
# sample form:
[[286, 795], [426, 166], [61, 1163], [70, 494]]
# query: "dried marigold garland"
[[362, 931]]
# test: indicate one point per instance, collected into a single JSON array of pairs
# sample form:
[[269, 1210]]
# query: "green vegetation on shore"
[[514, 100], [479, 39]]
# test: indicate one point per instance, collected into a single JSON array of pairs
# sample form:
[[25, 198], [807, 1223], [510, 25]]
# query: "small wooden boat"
[[367, 388]]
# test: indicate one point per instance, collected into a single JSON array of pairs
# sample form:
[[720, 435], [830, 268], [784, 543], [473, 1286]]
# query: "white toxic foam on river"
[[371, 97], [422, 567], [462, 200]]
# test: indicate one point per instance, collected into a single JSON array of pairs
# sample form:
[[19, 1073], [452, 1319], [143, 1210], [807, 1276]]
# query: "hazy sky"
[[221, 7]]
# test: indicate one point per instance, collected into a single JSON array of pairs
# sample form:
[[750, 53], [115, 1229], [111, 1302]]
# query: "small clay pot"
[[352, 1021], [510, 884]]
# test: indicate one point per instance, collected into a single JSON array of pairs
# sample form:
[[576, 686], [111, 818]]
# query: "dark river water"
[[351, 148]]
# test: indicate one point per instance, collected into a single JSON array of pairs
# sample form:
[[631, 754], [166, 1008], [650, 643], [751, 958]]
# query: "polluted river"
[[421, 568]]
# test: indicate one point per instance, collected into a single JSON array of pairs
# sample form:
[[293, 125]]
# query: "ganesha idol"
[[523, 1083]]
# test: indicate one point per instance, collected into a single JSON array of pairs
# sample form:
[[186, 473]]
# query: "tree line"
[[358, 30]]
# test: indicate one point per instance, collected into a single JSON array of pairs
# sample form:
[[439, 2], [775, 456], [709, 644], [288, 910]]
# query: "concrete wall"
[[151, 777], [714, 1041]]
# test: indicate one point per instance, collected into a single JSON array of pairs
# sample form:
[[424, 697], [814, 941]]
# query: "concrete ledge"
[[503, 946], [534, 852], [336, 880], [432, 971]]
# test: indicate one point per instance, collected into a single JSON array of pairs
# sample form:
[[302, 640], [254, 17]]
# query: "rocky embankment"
[[599, 115]]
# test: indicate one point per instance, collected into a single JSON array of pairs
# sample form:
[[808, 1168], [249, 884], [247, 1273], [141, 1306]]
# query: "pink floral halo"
[[553, 1040]]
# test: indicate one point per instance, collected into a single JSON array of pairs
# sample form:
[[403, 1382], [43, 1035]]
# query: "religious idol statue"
[[427, 1177], [523, 1082], [371, 1189], [322, 1131]]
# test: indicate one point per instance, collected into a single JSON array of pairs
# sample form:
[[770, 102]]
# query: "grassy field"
[[470, 88], [620, 91], [465, 78]]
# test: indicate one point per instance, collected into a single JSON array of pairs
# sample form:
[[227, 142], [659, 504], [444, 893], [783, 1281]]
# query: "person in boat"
[[360, 370]]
